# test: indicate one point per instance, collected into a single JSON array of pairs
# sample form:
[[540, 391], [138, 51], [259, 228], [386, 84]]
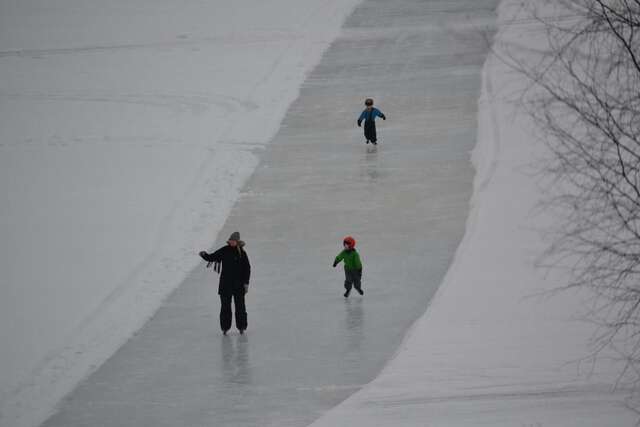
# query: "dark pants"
[[225, 311], [352, 278], [370, 130]]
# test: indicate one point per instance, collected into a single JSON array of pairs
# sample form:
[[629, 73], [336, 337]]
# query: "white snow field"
[[489, 351], [127, 128]]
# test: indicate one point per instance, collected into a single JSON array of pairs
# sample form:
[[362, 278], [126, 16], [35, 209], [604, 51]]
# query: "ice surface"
[[307, 347], [127, 129]]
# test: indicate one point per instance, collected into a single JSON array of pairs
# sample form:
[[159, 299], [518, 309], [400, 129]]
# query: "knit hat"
[[350, 242], [235, 236]]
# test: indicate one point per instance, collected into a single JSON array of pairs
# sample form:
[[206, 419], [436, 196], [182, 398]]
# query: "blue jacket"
[[371, 115]]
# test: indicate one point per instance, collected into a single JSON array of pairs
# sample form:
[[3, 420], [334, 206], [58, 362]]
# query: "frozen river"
[[406, 202]]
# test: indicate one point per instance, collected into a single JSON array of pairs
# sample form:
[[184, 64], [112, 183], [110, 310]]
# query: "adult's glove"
[[359, 123]]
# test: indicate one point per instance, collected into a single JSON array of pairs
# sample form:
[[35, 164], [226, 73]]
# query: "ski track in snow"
[[195, 103]]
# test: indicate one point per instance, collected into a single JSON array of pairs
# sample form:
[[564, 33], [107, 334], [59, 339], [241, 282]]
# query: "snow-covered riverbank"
[[127, 129], [486, 352]]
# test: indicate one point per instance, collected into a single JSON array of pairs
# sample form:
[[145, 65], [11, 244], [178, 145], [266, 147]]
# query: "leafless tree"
[[586, 100]]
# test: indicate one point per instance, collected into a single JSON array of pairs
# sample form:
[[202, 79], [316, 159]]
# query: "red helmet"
[[350, 242]]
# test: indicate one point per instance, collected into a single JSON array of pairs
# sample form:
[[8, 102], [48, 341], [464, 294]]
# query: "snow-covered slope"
[[127, 129], [488, 352]]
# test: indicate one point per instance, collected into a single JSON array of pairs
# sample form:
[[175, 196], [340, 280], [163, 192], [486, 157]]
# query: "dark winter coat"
[[236, 270]]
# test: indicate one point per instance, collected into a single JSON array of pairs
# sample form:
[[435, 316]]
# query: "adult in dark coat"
[[234, 280]]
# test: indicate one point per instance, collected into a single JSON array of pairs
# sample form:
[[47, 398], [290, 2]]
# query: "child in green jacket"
[[352, 266]]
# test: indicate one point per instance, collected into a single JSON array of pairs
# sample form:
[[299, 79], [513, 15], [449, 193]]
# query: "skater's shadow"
[[354, 323], [354, 314], [370, 163], [235, 359]]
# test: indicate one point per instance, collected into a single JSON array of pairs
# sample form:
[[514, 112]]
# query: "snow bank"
[[487, 352], [127, 129]]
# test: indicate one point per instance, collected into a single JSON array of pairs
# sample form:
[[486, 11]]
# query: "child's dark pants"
[[370, 130], [352, 278], [225, 311]]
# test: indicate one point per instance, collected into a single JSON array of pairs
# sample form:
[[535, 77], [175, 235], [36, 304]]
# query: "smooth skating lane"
[[308, 348]]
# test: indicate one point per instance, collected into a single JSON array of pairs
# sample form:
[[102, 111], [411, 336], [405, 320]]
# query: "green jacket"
[[351, 260]]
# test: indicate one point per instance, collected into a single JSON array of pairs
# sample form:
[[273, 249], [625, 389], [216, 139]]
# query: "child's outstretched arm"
[[361, 118], [381, 114], [339, 258]]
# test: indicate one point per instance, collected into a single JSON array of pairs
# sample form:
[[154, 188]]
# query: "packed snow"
[[127, 129], [494, 348]]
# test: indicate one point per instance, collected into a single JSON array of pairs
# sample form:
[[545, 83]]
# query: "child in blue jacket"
[[369, 115]]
